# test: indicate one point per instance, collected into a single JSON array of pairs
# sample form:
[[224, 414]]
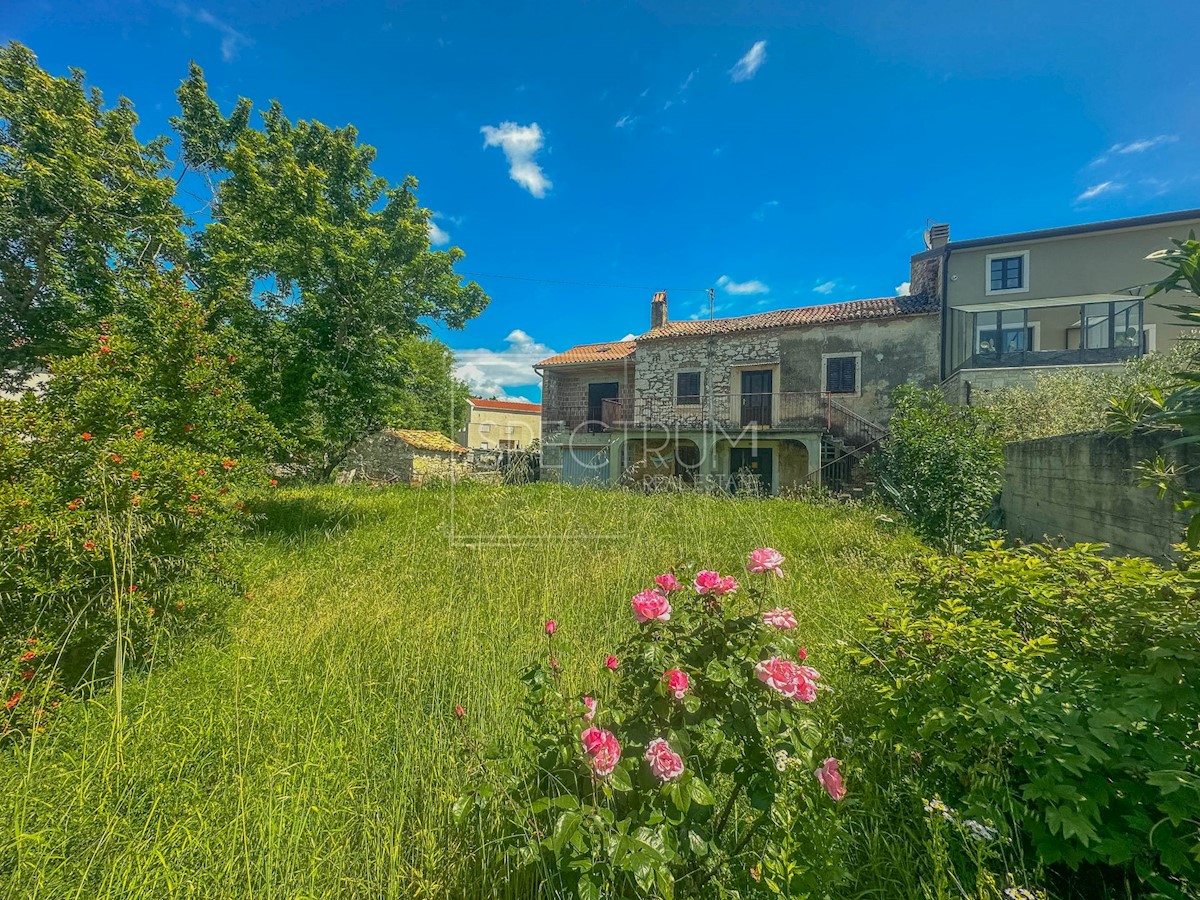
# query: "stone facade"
[[382, 457], [1084, 487]]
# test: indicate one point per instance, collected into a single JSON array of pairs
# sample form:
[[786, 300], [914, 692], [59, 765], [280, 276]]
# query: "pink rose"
[[651, 604], [787, 678], [709, 582], [667, 582], [611, 662], [780, 618], [551, 626], [677, 682], [831, 779], [602, 750], [590, 703], [764, 560], [664, 762], [802, 654]]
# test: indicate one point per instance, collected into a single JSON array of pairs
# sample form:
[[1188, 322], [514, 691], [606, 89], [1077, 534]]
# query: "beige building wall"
[[487, 428], [1101, 264]]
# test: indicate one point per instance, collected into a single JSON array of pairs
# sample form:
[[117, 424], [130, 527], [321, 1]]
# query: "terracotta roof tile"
[[505, 405], [426, 440], [611, 351], [827, 314]]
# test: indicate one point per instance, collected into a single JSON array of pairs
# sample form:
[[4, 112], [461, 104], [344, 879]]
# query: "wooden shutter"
[[841, 374]]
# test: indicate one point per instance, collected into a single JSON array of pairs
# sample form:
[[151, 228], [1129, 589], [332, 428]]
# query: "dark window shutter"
[[687, 387], [840, 374]]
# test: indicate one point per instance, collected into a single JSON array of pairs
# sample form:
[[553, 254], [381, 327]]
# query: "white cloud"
[[232, 40], [729, 286], [761, 213], [1104, 187], [745, 67], [488, 372], [438, 236], [629, 337], [903, 289], [825, 287], [1141, 145], [625, 121], [520, 144]]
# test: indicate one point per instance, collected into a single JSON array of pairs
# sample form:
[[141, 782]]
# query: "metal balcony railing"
[[796, 410]]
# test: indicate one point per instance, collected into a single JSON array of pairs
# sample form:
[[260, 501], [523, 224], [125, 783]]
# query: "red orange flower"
[[13, 700]]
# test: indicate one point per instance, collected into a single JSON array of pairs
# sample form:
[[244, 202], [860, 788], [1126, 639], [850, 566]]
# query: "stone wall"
[[893, 352], [565, 390], [714, 357], [1083, 487], [382, 457]]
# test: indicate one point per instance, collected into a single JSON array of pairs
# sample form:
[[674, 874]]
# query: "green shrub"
[[694, 765], [1075, 399], [124, 478], [1056, 686], [941, 465]]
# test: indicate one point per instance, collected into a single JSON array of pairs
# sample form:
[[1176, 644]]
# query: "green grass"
[[308, 749]]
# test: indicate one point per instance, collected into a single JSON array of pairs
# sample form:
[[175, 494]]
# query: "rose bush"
[[666, 774]]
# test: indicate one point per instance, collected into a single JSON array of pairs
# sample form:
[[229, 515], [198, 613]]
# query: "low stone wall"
[[1084, 488]]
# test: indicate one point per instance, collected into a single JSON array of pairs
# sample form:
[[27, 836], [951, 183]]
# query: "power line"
[[624, 287]]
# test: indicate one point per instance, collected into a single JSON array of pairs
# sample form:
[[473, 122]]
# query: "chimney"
[[937, 236], [658, 310]]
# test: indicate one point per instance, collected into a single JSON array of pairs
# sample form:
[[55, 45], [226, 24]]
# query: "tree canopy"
[[317, 272]]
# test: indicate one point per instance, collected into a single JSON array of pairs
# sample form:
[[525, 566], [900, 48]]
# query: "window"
[[483, 445], [841, 374], [485, 427], [509, 429], [1007, 340], [687, 388], [1008, 273], [508, 445]]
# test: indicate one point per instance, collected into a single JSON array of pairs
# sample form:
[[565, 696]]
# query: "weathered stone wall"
[[1083, 487], [894, 352], [565, 390], [382, 457], [715, 357]]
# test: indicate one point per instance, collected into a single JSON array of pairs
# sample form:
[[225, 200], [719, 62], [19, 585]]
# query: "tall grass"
[[310, 750]]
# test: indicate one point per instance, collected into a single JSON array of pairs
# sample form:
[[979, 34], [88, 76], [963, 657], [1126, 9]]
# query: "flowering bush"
[[122, 479], [668, 772]]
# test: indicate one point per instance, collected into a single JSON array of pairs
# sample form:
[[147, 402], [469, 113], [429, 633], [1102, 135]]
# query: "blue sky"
[[784, 153]]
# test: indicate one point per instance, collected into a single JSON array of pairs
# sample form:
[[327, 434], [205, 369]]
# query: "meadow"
[[307, 746]]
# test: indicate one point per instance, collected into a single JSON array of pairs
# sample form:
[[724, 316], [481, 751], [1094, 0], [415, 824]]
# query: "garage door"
[[585, 465]]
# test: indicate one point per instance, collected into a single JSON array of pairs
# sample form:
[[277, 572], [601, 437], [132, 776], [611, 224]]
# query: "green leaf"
[[587, 888], [700, 792], [564, 828], [619, 779]]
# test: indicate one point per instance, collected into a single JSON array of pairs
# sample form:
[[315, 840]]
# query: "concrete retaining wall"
[[1083, 487]]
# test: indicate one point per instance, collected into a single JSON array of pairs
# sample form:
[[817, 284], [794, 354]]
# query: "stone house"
[[780, 398], [403, 456], [1016, 305], [501, 425]]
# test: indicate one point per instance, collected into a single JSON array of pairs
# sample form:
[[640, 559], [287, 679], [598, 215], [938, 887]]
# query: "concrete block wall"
[[1084, 488]]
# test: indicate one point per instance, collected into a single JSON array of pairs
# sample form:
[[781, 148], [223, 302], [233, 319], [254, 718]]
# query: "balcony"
[[1065, 333], [777, 411], [1080, 356]]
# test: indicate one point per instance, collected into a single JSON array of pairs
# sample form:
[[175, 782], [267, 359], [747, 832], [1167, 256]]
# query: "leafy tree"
[[1172, 404], [315, 272], [941, 465], [324, 268], [83, 207]]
